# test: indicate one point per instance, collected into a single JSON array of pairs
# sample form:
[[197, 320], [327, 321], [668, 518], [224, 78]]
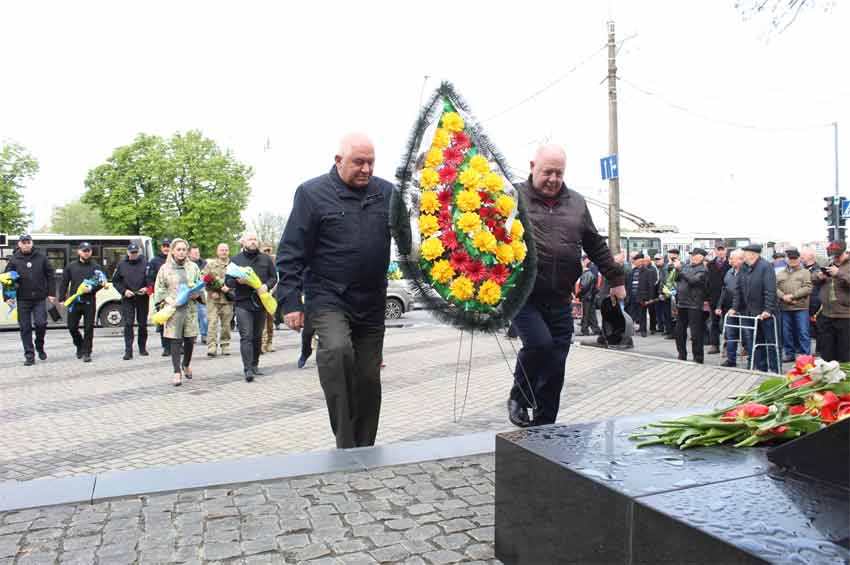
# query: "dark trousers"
[[307, 338], [714, 329], [546, 331], [250, 323], [588, 315], [662, 316], [83, 311], [690, 319], [349, 361], [32, 313], [834, 338], [133, 309], [181, 346], [637, 314]]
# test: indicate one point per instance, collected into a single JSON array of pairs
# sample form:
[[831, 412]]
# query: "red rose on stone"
[[448, 176]]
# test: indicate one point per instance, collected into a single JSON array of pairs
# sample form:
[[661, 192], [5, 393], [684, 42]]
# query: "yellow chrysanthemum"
[[431, 248], [480, 164], [453, 122], [468, 200], [462, 288], [429, 202], [442, 271], [485, 241], [434, 157], [442, 138], [505, 254], [468, 222], [428, 225], [517, 229], [519, 250], [470, 178], [489, 293], [430, 178], [505, 204], [493, 182]]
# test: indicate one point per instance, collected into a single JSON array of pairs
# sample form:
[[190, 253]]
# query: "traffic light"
[[837, 234], [830, 210]]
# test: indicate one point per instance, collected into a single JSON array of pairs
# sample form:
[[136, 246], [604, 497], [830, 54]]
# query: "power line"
[[721, 121]]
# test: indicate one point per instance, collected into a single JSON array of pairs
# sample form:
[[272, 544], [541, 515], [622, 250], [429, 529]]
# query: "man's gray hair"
[[736, 253]]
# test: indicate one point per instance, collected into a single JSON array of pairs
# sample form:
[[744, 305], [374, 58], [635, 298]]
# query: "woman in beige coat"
[[182, 327]]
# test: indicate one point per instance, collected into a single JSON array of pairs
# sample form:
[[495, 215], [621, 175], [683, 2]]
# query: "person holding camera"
[[833, 321]]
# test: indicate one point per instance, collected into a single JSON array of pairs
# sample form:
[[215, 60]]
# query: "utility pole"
[[613, 183]]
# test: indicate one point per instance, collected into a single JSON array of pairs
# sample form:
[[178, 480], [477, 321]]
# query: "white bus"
[[650, 243], [107, 250]]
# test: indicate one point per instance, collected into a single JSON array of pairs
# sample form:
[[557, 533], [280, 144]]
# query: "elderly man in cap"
[[35, 283], [75, 273], [793, 289], [154, 266], [690, 297], [130, 280], [755, 296], [834, 318]]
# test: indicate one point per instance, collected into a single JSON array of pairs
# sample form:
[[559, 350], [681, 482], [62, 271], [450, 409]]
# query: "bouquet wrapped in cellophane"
[[247, 273], [9, 281], [183, 294], [98, 280]]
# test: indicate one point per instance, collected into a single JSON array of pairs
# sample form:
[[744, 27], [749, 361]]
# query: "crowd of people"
[[330, 278], [734, 303]]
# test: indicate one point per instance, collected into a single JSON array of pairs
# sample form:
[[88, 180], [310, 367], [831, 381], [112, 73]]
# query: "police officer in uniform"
[[130, 281], [35, 283], [75, 273]]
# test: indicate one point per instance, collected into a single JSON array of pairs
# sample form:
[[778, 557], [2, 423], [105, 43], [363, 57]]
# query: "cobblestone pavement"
[[63, 417], [434, 512]]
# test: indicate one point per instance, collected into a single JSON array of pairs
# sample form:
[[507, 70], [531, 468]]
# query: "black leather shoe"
[[42, 355], [79, 353], [257, 372], [249, 376], [143, 352], [29, 362], [86, 358], [728, 363], [165, 353], [518, 415], [127, 355]]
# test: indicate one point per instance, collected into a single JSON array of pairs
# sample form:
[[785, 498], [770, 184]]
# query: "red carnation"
[[461, 141], [475, 271], [499, 274], [445, 197], [448, 176], [452, 156], [444, 220], [449, 238], [459, 260]]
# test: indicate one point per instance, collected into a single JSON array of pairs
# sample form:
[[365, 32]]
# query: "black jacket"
[[35, 272], [130, 275], [154, 266], [560, 233], [335, 249], [814, 298], [756, 291], [75, 273], [716, 272], [647, 283], [246, 297], [691, 292], [727, 296]]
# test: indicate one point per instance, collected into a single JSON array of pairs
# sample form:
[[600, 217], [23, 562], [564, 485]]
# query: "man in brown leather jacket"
[[562, 227]]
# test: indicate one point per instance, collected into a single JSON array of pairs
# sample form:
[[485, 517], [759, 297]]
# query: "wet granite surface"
[[586, 494]]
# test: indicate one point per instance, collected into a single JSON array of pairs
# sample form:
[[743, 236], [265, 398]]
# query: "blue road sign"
[[610, 168], [845, 209]]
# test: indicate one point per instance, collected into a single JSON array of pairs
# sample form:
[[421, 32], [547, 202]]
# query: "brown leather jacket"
[[560, 233]]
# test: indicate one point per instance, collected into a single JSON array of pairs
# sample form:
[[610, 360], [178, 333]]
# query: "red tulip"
[[804, 363], [800, 382], [748, 410], [797, 409]]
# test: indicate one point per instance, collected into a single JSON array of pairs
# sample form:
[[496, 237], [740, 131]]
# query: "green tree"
[[16, 166], [77, 218], [184, 187]]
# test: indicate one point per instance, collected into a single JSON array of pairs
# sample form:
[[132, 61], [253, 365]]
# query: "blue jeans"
[[733, 339], [546, 331], [662, 315], [765, 357], [202, 319], [795, 332]]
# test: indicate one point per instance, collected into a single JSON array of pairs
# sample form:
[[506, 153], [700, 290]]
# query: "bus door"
[[59, 256]]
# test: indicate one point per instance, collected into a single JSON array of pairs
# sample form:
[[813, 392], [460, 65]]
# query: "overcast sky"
[[80, 78]]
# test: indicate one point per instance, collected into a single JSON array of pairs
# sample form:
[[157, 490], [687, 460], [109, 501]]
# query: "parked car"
[[399, 299]]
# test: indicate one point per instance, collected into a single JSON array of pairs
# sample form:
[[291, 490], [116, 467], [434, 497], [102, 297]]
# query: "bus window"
[[58, 257], [645, 245], [111, 257]]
